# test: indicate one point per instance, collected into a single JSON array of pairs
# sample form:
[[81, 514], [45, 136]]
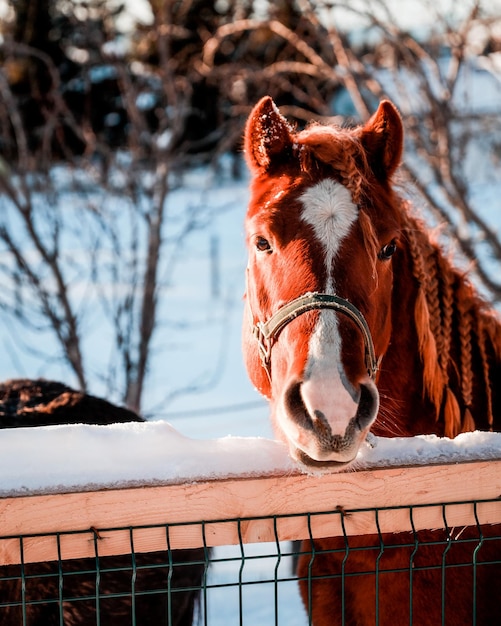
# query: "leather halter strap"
[[267, 332]]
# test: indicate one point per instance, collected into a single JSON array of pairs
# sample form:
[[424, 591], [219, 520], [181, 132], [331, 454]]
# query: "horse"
[[357, 322], [41, 402]]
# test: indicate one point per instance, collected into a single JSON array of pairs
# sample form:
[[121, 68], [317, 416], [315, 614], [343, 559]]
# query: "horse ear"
[[383, 138], [267, 134]]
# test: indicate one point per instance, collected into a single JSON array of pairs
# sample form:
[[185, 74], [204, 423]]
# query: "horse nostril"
[[365, 412], [295, 407]]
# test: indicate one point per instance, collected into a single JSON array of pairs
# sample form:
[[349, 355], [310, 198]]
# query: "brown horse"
[[39, 403], [357, 322]]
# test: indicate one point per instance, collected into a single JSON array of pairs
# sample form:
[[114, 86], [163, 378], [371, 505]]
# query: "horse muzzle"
[[310, 432]]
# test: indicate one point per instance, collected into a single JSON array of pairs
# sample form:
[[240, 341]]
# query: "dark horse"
[[39, 403], [357, 322]]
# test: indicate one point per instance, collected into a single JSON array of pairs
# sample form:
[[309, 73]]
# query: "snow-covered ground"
[[196, 378]]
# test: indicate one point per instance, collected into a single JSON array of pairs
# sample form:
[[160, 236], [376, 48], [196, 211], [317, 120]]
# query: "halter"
[[267, 332]]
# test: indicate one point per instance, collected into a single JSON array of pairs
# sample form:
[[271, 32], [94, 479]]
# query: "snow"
[[85, 457]]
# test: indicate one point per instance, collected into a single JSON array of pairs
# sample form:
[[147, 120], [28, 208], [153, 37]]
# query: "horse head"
[[322, 230]]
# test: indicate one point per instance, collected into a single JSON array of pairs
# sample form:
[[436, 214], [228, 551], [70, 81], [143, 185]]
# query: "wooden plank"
[[289, 497]]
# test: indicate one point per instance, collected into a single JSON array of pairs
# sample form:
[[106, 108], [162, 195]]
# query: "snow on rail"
[[57, 459]]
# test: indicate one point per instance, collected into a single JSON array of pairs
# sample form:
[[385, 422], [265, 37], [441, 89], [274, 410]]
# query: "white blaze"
[[329, 209]]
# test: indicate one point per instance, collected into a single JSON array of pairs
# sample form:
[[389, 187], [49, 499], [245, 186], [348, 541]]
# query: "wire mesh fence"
[[409, 577]]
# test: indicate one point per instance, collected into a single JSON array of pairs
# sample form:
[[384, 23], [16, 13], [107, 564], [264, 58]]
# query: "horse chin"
[[301, 457]]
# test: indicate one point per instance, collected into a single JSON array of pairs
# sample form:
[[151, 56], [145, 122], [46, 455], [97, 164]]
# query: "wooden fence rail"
[[270, 508]]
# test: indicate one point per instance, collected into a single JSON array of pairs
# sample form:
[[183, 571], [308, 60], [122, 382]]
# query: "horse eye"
[[388, 250], [262, 244]]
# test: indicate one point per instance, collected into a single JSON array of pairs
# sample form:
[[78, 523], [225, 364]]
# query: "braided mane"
[[452, 322]]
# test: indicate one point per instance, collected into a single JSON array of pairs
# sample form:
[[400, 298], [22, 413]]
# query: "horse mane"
[[447, 303], [452, 322]]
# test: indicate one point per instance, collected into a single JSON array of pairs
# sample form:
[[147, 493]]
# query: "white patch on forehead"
[[328, 207]]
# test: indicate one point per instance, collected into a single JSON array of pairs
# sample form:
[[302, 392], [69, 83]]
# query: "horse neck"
[[440, 371]]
